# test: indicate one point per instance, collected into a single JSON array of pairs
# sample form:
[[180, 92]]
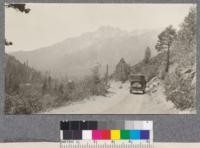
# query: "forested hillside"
[[180, 79], [29, 91], [18, 73], [180, 83], [22, 86]]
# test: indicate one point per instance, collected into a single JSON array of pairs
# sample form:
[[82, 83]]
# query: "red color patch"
[[106, 134]]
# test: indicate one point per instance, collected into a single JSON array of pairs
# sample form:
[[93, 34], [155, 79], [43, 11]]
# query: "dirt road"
[[120, 101]]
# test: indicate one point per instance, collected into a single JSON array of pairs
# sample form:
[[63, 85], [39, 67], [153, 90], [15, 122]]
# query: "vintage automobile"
[[137, 83]]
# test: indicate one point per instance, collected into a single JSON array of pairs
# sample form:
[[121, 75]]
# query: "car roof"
[[137, 75]]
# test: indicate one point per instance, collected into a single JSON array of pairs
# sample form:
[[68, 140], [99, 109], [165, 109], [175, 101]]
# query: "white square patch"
[[87, 134]]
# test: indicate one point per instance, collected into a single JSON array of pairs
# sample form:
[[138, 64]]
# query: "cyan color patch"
[[135, 134]]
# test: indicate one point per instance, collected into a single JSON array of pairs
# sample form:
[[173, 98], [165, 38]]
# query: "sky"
[[47, 24]]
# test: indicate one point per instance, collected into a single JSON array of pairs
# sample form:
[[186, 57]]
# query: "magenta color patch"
[[96, 135]]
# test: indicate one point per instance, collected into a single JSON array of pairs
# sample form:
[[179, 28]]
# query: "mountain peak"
[[109, 32], [108, 28]]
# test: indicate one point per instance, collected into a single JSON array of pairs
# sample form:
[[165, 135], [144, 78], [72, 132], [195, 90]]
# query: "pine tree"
[[147, 55], [188, 28], [44, 86], [49, 81], [165, 40], [96, 75], [61, 89], [122, 70], [19, 7]]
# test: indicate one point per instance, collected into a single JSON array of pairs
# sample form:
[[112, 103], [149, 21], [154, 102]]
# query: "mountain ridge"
[[76, 56]]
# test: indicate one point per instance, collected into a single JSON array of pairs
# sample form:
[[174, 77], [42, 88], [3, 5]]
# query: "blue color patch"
[[144, 134], [135, 134]]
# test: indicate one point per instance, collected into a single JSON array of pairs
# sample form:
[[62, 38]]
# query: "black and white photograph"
[[67, 58]]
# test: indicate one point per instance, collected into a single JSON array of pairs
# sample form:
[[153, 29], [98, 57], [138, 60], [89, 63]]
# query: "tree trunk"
[[106, 75], [167, 65]]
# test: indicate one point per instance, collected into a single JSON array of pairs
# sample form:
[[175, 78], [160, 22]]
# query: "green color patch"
[[125, 134]]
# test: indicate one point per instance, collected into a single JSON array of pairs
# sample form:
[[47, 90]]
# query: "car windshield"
[[137, 78]]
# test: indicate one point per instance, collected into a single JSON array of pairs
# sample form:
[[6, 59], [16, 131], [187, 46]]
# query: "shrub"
[[19, 104], [180, 90]]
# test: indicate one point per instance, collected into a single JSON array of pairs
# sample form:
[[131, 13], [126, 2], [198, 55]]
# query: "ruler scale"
[[106, 134]]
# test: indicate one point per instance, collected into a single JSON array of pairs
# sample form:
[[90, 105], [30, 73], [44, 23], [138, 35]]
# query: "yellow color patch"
[[115, 134]]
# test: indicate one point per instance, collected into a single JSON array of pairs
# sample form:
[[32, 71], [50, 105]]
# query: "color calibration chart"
[[106, 134]]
